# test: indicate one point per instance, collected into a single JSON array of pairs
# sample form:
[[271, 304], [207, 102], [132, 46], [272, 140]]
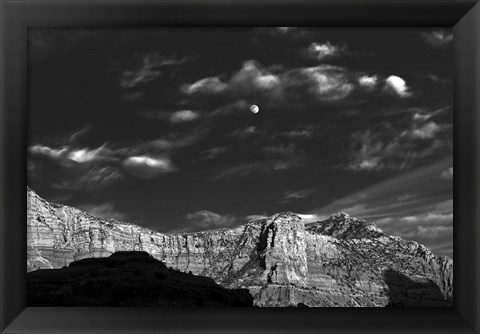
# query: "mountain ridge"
[[341, 261]]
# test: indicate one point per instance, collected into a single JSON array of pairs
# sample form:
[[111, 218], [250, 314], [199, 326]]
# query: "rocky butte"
[[341, 261]]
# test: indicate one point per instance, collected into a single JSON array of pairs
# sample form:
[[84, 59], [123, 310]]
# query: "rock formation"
[[127, 279], [341, 261]]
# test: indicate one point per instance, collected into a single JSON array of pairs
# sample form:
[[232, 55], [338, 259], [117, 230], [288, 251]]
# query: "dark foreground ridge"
[[127, 279]]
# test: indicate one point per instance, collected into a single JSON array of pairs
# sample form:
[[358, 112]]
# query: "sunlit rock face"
[[341, 261]]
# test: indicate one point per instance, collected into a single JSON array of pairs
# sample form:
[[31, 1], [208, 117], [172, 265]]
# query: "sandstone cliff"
[[341, 261]]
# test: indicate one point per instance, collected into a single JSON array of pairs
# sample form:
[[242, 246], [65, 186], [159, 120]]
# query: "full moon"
[[254, 108]]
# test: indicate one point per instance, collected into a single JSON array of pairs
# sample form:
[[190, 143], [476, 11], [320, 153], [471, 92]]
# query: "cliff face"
[[341, 261]]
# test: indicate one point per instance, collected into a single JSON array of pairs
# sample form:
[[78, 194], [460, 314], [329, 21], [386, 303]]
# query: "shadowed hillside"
[[127, 279]]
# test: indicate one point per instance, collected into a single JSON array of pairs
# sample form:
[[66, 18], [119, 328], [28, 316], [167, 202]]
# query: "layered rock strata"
[[341, 261]]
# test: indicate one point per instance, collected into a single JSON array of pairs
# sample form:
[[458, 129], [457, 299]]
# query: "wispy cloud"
[[284, 32], [438, 37], [447, 173], [104, 210], [255, 217], [428, 204], [53, 153], [281, 149], [252, 169], [302, 131], [76, 136], [87, 155], [174, 117], [298, 194], [207, 219], [148, 70], [148, 166], [323, 82], [67, 155], [320, 51], [88, 169], [389, 146], [88, 178], [246, 132], [211, 85], [213, 152], [285, 29]]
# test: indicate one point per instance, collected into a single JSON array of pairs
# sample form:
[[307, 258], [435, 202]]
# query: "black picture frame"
[[17, 16]]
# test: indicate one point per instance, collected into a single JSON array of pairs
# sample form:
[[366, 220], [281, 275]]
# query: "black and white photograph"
[[240, 167]]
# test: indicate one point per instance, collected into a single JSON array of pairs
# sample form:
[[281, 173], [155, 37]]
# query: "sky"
[[154, 126]]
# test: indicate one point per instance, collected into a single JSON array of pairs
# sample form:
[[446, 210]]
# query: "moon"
[[254, 108]]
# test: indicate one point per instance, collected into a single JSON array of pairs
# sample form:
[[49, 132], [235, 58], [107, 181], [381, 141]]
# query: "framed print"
[[239, 167]]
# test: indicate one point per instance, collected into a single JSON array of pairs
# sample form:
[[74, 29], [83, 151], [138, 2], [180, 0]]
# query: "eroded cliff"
[[341, 261]]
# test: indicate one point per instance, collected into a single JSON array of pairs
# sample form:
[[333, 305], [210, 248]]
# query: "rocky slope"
[[341, 261], [127, 279]]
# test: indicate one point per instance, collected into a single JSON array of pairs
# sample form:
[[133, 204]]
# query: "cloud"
[[437, 79], [438, 37], [147, 167], [170, 142], [305, 131], [246, 132], [80, 133], [429, 203], [148, 70], [405, 197], [397, 86], [431, 232], [309, 218], [435, 230], [67, 155], [254, 78], [86, 155], [213, 152], [182, 116], [238, 106], [88, 178], [447, 173], [285, 29], [174, 117], [283, 32], [299, 194], [419, 220], [211, 85], [321, 83], [255, 217], [368, 81], [208, 219], [320, 51], [426, 131], [281, 150], [424, 115], [242, 170], [80, 168], [381, 199], [246, 170], [386, 146], [104, 210], [47, 151]]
